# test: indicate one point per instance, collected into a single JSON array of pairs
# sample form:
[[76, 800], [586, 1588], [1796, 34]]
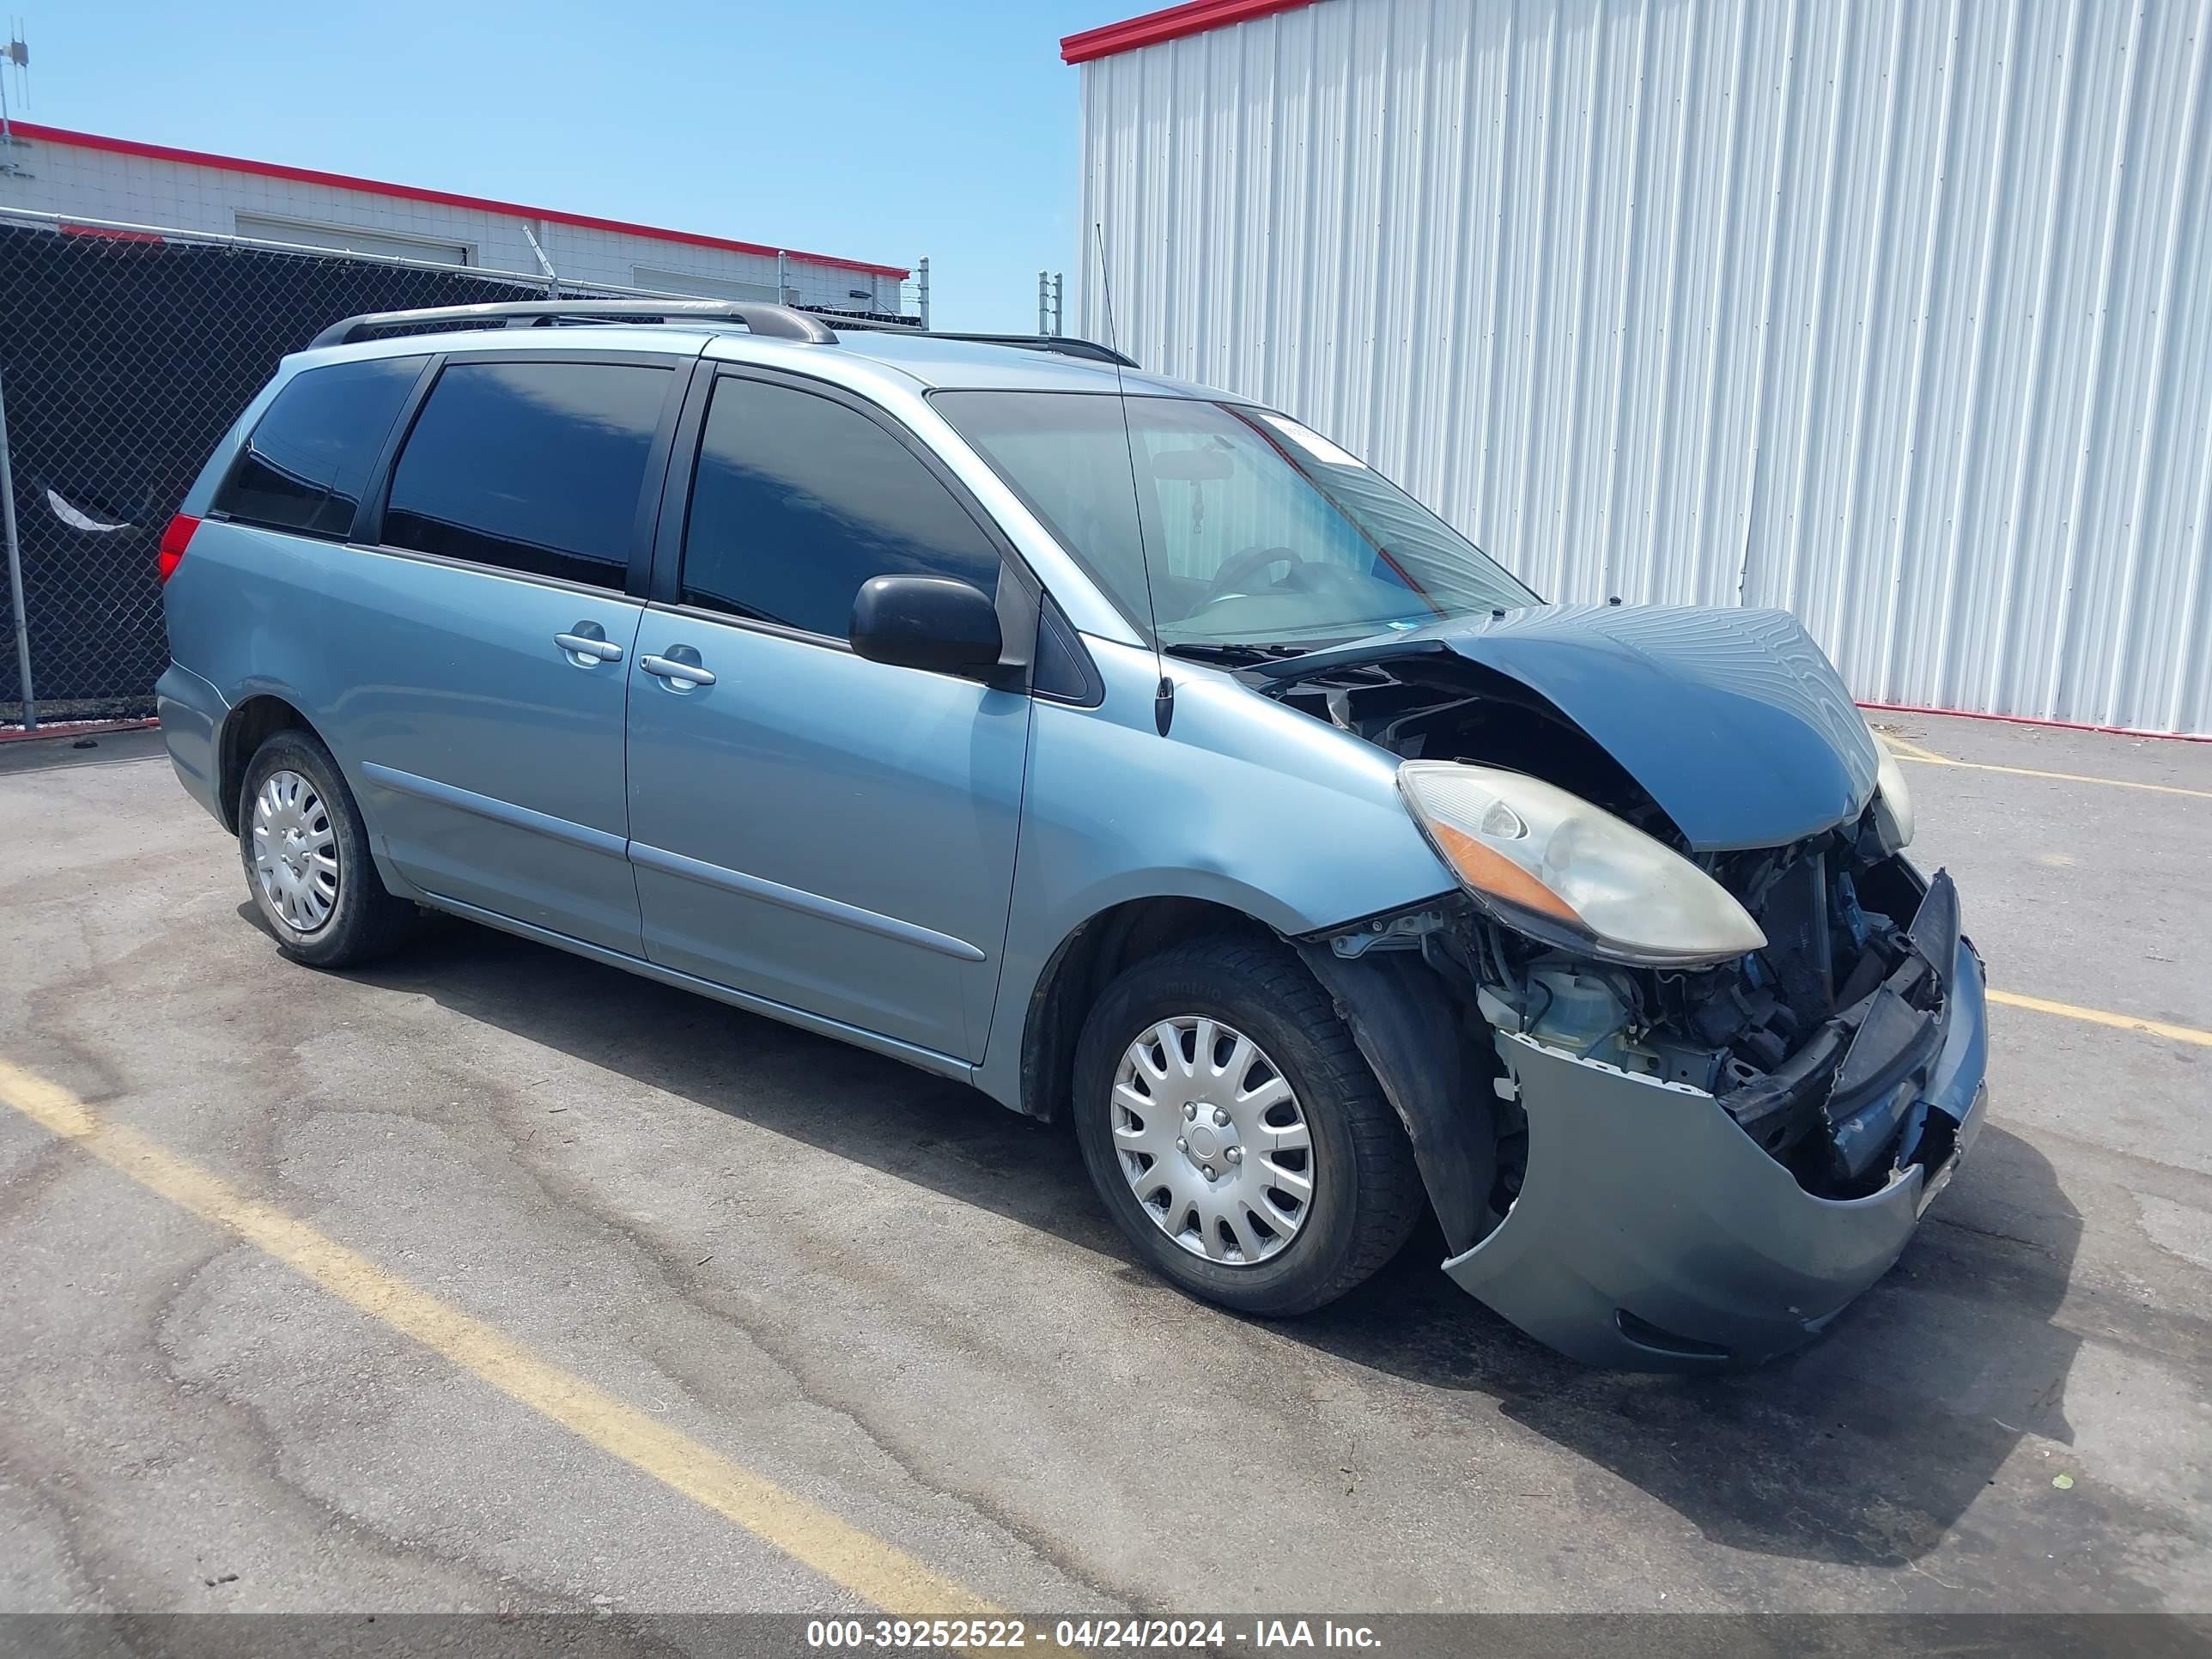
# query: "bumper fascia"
[[192, 713], [1651, 1233]]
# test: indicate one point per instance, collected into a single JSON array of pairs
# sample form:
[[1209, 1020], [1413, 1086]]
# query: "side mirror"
[[936, 622]]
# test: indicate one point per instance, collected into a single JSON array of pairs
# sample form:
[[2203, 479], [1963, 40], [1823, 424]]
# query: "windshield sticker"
[[1311, 441]]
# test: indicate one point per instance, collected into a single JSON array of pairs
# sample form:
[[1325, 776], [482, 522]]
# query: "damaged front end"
[[1727, 1079], [1696, 1171]]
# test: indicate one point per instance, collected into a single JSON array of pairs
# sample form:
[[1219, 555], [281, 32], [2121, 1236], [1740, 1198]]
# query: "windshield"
[[1259, 531]]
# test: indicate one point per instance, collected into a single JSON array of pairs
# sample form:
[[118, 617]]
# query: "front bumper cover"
[[1651, 1233]]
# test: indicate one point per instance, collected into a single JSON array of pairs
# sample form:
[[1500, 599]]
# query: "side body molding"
[[811, 904]]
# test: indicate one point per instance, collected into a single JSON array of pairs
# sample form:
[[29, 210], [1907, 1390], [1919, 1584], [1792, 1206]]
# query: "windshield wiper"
[[1235, 656]]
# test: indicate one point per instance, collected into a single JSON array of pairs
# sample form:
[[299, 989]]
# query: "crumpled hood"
[[1735, 720]]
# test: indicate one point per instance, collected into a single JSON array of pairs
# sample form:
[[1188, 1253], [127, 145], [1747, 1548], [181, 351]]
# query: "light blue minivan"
[[1128, 750]]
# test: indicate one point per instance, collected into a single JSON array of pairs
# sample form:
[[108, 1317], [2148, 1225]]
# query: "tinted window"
[[310, 455], [534, 467], [799, 499]]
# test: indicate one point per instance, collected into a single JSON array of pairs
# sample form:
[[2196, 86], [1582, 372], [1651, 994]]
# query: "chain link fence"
[[124, 358]]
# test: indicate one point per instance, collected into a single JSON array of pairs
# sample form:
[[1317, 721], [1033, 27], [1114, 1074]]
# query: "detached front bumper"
[[1651, 1233]]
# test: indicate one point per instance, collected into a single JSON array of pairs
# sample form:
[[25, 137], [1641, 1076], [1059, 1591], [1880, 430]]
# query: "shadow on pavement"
[[1864, 1450]]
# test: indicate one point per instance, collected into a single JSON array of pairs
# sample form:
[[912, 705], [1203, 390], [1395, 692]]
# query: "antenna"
[[17, 57], [1163, 695]]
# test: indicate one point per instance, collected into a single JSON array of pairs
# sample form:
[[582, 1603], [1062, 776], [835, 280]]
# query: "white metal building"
[[118, 180], [1895, 313]]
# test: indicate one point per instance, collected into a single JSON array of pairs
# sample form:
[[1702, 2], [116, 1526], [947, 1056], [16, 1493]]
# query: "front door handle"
[[588, 646], [681, 676]]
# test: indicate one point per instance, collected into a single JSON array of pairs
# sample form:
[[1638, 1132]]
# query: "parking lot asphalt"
[[490, 1278]]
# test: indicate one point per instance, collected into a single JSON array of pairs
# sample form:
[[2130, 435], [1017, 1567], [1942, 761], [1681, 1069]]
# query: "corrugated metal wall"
[[1895, 313]]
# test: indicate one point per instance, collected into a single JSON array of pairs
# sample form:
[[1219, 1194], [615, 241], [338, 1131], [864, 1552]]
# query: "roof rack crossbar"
[[1064, 345], [761, 317]]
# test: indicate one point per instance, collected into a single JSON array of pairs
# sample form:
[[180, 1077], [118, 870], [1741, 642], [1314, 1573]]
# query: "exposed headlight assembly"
[[1550, 864], [1892, 801]]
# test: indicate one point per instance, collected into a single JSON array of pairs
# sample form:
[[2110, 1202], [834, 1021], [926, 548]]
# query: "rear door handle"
[[679, 675], [582, 644]]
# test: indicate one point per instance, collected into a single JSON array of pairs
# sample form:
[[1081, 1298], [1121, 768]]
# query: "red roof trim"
[[110, 234], [1195, 17], [413, 193]]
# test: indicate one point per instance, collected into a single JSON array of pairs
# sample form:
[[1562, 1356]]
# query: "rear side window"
[[311, 451], [799, 500], [530, 466]]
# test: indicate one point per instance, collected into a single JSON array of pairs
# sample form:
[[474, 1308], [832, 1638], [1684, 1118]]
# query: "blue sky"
[[873, 129]]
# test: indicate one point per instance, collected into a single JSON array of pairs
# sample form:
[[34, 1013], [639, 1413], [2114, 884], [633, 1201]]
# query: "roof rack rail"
[[1063, 345], [759, 316], [773, 321]]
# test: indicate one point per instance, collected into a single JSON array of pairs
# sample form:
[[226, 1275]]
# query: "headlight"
[[1892, 801], [1551, 863]]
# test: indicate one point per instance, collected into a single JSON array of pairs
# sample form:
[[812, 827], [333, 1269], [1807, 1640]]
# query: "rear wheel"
[[307, 857], [1234, 1131]]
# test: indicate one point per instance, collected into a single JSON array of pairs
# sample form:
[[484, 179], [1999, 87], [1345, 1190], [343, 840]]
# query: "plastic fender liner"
[[1408, 1031], [1651, 1233]]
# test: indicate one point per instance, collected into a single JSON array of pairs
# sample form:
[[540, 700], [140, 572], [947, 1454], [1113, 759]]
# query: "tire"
[[1364, 1195], [335, 922]]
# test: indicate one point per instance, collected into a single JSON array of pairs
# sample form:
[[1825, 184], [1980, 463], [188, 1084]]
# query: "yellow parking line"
[[1913, 751], [2100, 1016], [867, 1566], [1904, 750]]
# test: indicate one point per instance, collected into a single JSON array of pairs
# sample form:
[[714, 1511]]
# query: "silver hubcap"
[[1212, 1140], [296, 853]]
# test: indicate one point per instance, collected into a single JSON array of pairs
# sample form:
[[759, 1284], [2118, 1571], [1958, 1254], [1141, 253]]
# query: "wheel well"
[[250, 725], [1086, 962]]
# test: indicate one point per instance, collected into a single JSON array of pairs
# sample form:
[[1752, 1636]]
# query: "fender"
[[1409, 1031]]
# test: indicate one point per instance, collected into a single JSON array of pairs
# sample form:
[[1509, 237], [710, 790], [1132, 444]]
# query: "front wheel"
[[1236, 1134], [307, 857]]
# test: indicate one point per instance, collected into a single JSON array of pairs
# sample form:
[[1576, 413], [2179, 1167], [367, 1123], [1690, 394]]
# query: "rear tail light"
[[174, 540]]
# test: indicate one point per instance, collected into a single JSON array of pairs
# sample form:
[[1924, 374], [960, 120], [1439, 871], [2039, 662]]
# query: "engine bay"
[[1816, 1045]]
